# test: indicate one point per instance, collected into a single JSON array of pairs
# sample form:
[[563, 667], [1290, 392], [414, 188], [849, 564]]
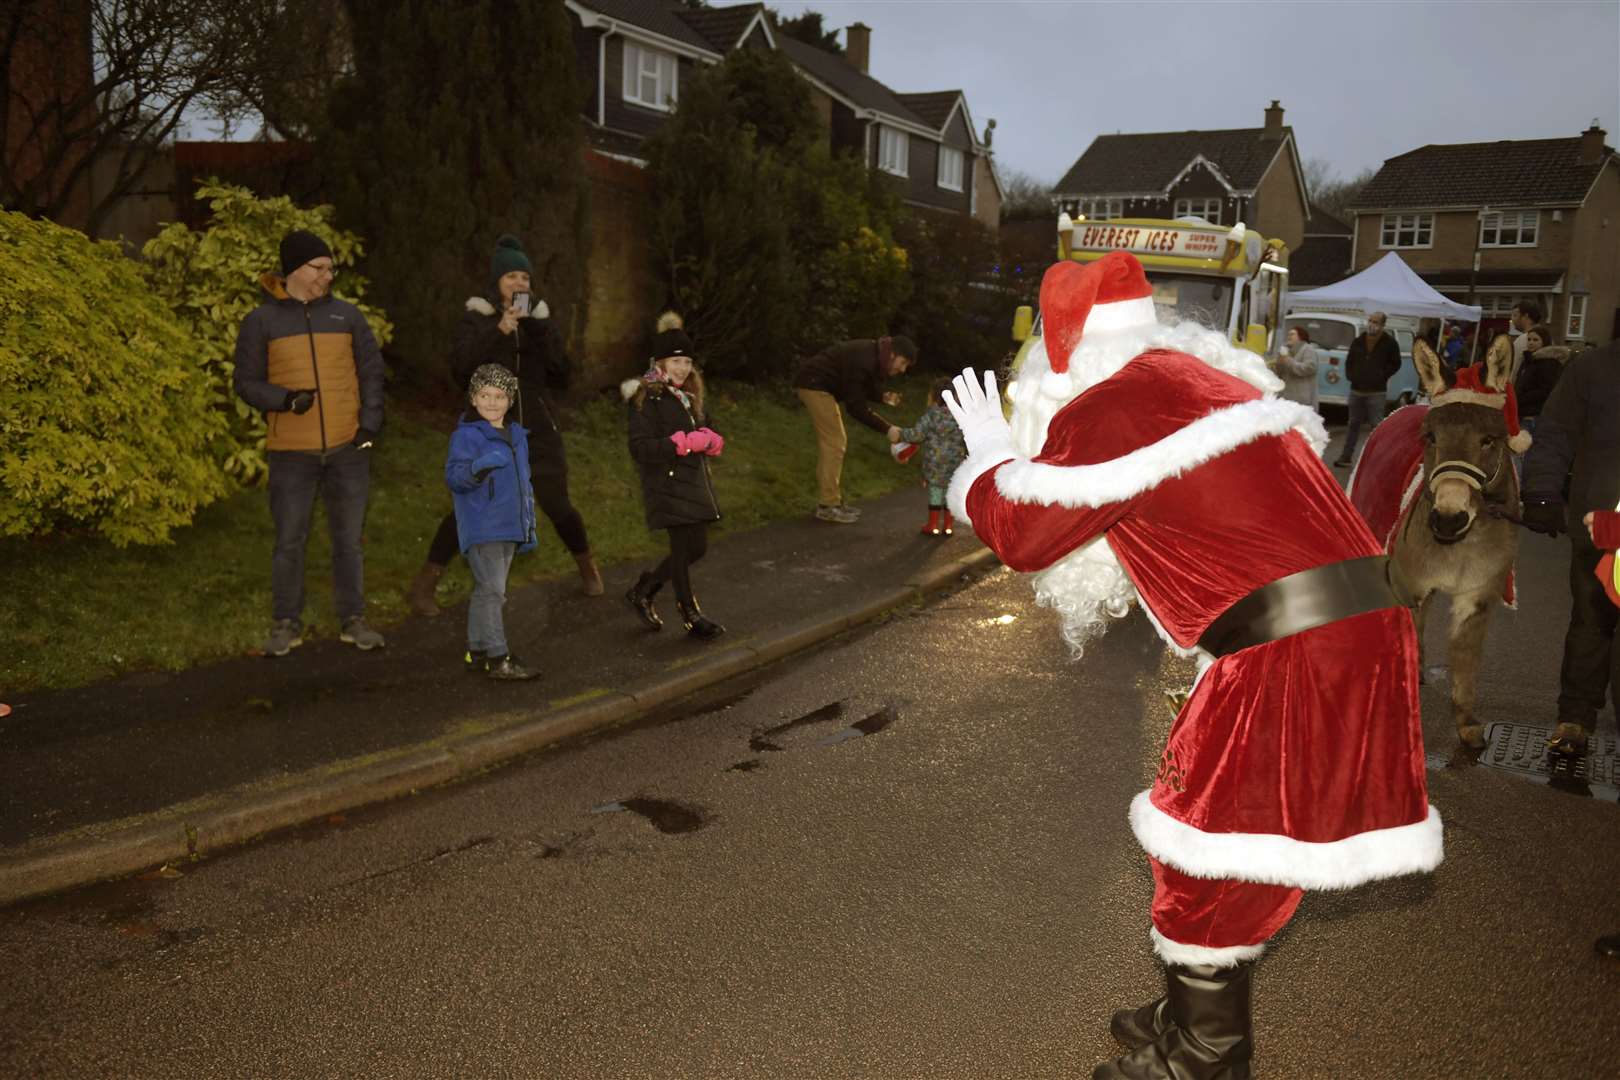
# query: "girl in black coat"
[[671, 442], [1543, 363]]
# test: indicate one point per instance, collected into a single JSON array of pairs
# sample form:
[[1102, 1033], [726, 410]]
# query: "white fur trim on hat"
[[1490, 399], [1057, 384], [1120, 315], [1140, 470], [1274, 859], [1521, 442], [1174, 952]]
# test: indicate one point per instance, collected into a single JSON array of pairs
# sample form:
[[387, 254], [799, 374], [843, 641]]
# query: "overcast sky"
[[1360, 82]]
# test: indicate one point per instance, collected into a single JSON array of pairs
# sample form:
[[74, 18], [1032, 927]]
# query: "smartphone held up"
[[520, 304]]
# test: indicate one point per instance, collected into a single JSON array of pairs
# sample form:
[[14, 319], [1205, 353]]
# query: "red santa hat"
[[1083, 300], [1471, 388]]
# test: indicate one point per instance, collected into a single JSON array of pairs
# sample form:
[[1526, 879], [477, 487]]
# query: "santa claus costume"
[[1151, 464]]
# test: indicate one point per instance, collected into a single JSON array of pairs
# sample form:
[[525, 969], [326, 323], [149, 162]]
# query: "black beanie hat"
[[299, 247], [671, 338], [509, 256], [903, 346]]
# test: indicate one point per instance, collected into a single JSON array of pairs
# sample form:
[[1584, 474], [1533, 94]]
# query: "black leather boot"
[[698, 624], [1209, 1034], [1137, 1027], [640, 598]]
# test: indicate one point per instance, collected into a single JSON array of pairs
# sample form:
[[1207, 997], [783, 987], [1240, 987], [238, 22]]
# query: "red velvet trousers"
[[1218, 913]]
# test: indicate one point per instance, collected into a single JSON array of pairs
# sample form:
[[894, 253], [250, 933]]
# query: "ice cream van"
[[1230, 279]]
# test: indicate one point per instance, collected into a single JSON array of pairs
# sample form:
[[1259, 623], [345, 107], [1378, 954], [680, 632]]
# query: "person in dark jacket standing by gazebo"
[[852, 374], [1374, 359], [513, 328], [671, 442]]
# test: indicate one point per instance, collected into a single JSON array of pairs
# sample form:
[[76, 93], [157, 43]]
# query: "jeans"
[[1361, 407], [490, 564], [831, 443], [1584, 679], [343, 478]]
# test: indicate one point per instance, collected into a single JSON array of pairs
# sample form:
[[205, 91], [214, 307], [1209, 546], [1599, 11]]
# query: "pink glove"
[[715, 443], [683, 442]]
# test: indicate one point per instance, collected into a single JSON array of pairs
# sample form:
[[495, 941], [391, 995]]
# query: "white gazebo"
[[1388, 285]]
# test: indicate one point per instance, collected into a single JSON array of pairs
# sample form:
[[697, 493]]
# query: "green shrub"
[[211, 280], [107, 420]]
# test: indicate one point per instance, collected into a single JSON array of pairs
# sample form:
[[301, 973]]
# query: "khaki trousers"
[[831, 443]]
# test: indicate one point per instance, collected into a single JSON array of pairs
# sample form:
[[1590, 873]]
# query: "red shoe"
[[946, 521], [932, 528]]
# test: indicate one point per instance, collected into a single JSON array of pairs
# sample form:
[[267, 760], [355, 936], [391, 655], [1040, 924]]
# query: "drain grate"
[[1518, 748]]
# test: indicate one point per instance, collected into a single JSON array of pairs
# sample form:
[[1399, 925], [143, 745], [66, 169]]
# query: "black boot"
[[1208, 1036], [698, 624], [640, 597], [1137, 1027]]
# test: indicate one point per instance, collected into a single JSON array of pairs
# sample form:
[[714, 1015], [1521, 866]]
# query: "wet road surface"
[[905, 855]]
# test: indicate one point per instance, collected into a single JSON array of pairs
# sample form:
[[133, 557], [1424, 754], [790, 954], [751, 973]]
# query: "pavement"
[[160, 768]]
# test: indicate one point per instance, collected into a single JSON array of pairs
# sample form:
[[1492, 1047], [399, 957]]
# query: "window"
[[1496, 306], [894, 151], [1101, 209], [950, 168], [1208, 209], [649, 77], [1575, 328], [1509, 228], [1407, 231]]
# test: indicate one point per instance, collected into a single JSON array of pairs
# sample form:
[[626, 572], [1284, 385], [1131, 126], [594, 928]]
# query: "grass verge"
[[75, 611]]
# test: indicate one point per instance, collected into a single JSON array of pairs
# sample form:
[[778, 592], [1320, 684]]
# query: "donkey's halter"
[[1466, 471]]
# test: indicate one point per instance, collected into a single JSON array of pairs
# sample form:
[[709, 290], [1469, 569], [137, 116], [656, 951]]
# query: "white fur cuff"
[[1274, 859], [1174, 952], [970, 470]]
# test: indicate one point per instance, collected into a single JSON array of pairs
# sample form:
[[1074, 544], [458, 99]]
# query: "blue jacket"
[[489, 478]]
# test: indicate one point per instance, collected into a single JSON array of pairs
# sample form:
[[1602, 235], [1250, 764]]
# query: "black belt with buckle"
[[1306, 600]]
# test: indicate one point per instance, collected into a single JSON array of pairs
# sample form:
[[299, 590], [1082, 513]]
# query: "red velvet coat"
[[1297, 762]]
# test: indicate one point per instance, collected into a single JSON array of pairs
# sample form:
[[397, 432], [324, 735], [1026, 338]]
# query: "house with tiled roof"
[[1493, 223], [925, 141], [1325, 254], [1252, 175], [633, 55]]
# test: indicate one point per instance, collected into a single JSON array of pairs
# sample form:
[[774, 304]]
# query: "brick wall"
[[1278, 212], [1595, 259], [624, 294]]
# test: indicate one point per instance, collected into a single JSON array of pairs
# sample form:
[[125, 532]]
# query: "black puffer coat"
[[535, 354], [1578, 435], [1537, 377], [675, 489]]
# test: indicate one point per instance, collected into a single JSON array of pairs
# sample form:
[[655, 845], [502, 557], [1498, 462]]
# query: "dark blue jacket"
[[489, 478]]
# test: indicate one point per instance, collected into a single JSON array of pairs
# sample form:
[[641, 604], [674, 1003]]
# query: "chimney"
[[1592, 144], [1273, 122], [858, 46]]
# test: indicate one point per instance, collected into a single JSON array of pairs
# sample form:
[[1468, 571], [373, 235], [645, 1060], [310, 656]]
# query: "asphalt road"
[[905, 855]]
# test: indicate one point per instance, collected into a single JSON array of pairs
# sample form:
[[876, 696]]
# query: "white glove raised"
[[977, 410]]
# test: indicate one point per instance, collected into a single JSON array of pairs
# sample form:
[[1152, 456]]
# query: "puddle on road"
[[666, 816], [869, 726], [746, 766], [761, 742]]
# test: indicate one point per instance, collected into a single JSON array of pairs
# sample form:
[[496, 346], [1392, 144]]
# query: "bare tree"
[[1330, 193], [1024, 196], [102, 85]]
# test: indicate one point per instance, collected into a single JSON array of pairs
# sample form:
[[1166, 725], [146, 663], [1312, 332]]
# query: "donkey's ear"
[[1499, 363], [1428, 368]]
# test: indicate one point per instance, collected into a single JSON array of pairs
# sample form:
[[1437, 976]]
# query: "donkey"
[[1459, 535]]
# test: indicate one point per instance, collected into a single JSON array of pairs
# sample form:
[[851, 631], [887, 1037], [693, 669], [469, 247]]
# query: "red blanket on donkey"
[[1388, 479]]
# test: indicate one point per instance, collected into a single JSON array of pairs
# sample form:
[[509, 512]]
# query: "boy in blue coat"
[[488, 474]]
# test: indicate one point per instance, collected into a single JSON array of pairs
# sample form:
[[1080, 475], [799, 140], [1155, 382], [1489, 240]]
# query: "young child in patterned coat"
[[943, 449]]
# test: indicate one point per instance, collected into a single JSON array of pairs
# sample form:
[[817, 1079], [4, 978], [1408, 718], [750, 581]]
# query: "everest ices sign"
[[1148, 241]]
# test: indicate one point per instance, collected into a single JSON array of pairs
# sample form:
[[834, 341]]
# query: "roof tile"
[[1503, 173], [1122, 164]]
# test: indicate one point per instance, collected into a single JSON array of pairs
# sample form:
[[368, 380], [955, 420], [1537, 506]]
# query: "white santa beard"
[[1088, 588]]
